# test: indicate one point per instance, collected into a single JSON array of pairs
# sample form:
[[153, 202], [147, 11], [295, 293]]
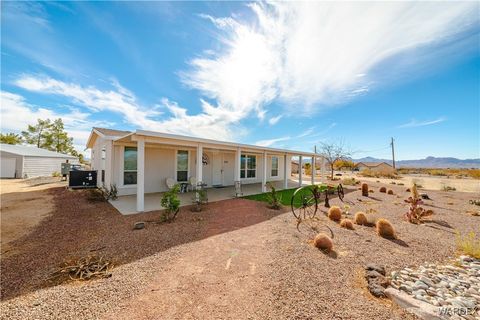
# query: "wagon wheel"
[[341, 193], [304, 203]]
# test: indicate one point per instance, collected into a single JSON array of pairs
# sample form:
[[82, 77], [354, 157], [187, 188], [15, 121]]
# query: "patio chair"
[[170, 183], [192, 183], [238, 189]]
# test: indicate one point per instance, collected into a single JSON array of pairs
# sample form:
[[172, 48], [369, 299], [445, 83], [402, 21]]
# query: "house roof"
[[111, 132], [372, 164], [31, 151], [126, 136]]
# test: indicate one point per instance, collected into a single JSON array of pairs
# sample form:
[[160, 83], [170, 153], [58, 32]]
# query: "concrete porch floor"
[[127, 204]]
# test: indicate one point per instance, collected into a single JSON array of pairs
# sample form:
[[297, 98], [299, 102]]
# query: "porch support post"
[[313, 170], [199, 169], [285, 178], [236, 174], [108, 163], [264, 175], [140, 174], [300, 169]]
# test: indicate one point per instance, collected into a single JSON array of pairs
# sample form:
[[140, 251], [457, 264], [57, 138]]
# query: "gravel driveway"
[[236, 260]]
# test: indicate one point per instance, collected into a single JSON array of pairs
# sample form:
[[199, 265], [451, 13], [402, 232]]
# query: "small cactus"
[[364, 189], [360, 218], [383, 190], [335, 213], [390, 191], [347, 224], [323, 242], [385, 229]]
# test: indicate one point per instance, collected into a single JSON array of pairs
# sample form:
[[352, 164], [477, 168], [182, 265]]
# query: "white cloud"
[[309, 55], [214, 122], [414, 123], [269, 142], [272, 121], [17, 114]]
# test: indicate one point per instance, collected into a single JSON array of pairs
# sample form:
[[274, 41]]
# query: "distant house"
[[374, 166], [19, 161]]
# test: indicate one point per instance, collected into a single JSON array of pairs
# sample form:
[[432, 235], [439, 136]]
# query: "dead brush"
[[85, 268]]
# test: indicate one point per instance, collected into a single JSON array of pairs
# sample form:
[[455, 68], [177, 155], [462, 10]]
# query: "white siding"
[[43, 166], [18, 162]]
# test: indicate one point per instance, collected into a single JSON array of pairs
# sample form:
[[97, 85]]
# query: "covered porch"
[[218, 165], [127, 205]]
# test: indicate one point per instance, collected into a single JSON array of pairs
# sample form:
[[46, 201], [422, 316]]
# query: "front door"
[[217, 169]]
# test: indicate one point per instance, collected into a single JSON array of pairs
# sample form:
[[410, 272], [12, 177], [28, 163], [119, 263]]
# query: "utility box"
[[82, 179], [65, 168]]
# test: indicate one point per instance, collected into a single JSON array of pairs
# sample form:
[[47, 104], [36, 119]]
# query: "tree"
[[10, 138], [57, 138], [38, 134], [333, 152]]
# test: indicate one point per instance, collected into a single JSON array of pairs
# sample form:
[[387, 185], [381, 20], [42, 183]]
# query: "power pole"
[[393, 153]]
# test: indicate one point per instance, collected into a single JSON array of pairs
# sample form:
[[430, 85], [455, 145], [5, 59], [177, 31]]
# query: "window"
[[182, 165], [248, 166], [274, 172], [130, 165]]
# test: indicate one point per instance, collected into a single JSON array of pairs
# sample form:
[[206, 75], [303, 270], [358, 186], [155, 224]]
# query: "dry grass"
[[458, 173], [469, 244]]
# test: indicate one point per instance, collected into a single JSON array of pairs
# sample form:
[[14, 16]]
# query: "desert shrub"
[[347, 224], [390, 191], [111, 193], [273, 198], [371, 191], [96, 195], [415, 213], [400, 184], [350, 182], [346, 209], [360, 218], [385, 229], [171, 203], [475, 202], [56, 174], [383, 190], [364, 189], [407, 190], [378, 174], [393, 182], [335, 213], [448, 188], [468, 244], [323, 242]]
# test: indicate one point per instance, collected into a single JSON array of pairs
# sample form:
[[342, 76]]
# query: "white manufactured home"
[[19, 161], [143, 162]]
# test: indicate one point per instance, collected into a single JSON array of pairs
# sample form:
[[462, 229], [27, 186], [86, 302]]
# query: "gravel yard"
[[236, 259]]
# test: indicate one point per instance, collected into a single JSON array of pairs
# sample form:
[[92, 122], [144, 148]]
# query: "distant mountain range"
[[428, 162]]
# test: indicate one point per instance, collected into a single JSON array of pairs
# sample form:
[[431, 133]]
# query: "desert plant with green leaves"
[[468, 244], [273, 198], [171, 203], [416, 214]]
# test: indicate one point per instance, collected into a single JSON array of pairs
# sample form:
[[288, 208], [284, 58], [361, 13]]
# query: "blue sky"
[[284, 75]]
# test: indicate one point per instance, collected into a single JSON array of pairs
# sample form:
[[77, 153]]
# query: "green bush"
[[273, 198], [171, 203]]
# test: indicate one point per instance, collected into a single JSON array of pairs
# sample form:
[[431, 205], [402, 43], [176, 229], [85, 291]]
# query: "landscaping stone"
[[139, 225], [455, 285]]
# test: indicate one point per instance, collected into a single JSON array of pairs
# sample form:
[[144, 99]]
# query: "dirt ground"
[[236, 259], [24, 203]]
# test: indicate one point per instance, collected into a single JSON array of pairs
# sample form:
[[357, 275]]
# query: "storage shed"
[[18, 161]]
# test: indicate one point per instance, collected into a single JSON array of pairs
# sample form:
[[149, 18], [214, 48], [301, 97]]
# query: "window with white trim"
[[274, 172], [248, 166], [130, 165], [182, 165]]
